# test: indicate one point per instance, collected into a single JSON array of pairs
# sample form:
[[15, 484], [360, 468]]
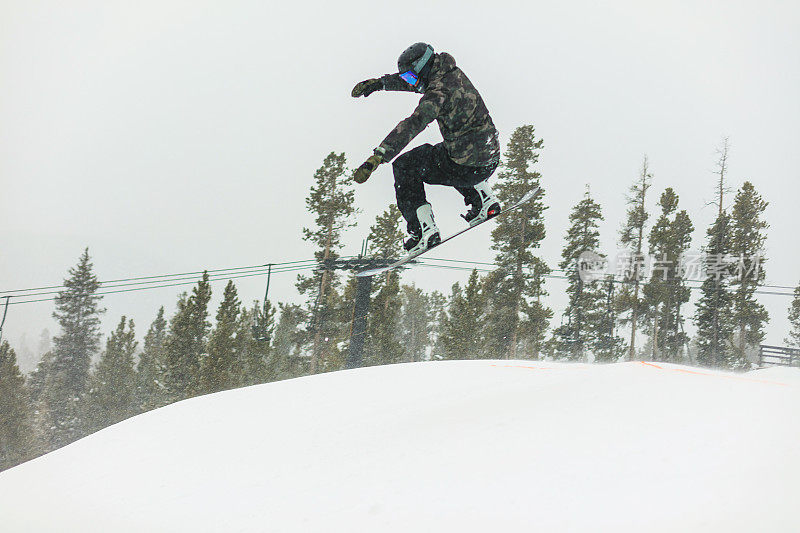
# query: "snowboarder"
[[465, 160]]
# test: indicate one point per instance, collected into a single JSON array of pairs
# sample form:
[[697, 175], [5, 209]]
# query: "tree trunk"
[[654, 348], [742, 343], [634, 319], [536, 348], [512, 352], [315, 355], [715, 355]]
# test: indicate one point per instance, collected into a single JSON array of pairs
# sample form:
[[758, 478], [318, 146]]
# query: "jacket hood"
[[442, 64]]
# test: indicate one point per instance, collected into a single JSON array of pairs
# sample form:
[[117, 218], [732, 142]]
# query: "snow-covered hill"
[[448, 446]]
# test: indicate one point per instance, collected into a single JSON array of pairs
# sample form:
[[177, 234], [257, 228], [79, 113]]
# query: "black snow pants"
[[431, 164]]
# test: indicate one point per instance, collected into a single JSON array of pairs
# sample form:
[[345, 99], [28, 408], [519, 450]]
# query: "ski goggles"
[[410, 77]]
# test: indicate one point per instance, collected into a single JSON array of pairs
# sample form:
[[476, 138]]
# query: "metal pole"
[[359, 331], [2, 323], [269, 276]]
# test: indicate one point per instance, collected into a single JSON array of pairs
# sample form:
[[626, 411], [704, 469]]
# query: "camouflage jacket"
[[450, 98]]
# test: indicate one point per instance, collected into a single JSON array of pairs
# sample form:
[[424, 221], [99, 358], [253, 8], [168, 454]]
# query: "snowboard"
[[374, 271]]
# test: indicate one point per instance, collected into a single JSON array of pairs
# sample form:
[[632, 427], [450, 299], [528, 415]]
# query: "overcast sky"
[[176, 136]]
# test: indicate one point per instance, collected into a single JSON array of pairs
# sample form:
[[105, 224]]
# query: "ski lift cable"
[[150, 282], [480, 269], [109, 285], [200, 272], [219, 277], [770, 286], [553, 276], [189, 278]]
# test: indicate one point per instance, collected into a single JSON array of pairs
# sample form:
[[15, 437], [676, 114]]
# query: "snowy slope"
[[449, 446]]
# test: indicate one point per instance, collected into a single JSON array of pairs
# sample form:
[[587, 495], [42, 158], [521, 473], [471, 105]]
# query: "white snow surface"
[[439, 446]]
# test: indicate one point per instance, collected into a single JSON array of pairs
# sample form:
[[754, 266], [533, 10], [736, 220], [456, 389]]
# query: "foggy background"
[[178, 136]]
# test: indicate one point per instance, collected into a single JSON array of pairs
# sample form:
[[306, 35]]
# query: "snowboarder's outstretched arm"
[[426, 112], [393, 82], [387, 82]]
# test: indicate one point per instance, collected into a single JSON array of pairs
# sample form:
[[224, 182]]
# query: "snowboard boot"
[[484, 205], [425, 235]]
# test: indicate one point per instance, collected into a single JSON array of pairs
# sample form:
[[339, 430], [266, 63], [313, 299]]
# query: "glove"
[[367, 87], [366, 169]]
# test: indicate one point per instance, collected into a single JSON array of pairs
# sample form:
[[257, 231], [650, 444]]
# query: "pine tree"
[[113, 394], [385, 236], [437, 305], [607, 345], [632, 238], [713, 311], [676, 338], [255, 355], [263, 321], [747, 246], [416, 323], [794, 320], [186, 342], [45, 344], [382, 344], [219, 369], [462, 328], [285, 361], [721, 189], [37, 384], [331, 200], [666, 291], [151, 370], [515, 312], [78, 313], [535, 315], [574, 337], [38, 379], [16, 431]]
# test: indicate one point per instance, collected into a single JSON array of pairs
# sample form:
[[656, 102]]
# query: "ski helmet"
[[417, 61]]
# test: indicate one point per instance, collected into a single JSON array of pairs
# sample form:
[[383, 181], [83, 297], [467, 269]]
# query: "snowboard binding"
[[483, 205], [426, 235]]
